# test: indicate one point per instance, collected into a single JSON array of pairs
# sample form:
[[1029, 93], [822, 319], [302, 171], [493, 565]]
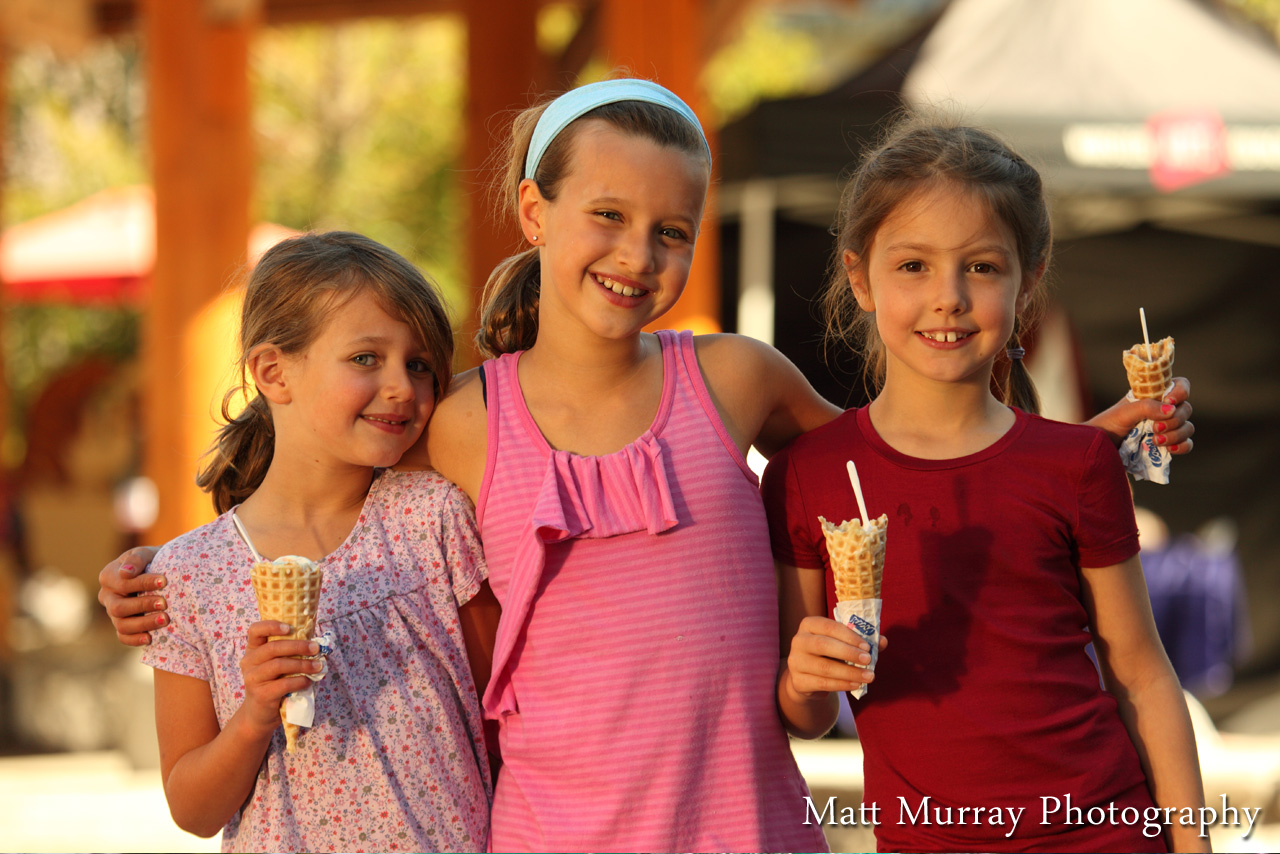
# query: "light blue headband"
[[578, 102]]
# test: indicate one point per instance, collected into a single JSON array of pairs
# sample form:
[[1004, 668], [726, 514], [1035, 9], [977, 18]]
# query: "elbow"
[[196, 825]]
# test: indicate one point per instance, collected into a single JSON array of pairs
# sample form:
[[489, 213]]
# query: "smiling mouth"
[[394, 422], [617, 287], [950, 337]]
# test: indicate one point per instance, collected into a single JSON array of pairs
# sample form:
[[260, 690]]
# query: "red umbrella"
[[99, 250]]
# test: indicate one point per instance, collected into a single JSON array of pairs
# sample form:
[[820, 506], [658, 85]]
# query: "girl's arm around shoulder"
[[760, 394], [1136, 671], [456, 439]]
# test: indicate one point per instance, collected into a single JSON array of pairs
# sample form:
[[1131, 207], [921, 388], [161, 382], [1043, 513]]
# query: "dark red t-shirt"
[[985, 696]]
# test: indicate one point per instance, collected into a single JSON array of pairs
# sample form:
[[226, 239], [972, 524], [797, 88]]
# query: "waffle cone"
[[1150, 368], [857, 556], [288, 590]]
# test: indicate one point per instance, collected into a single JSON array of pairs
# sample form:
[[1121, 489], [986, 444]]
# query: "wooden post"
[[199, 111], [505, 73], [663, 41]]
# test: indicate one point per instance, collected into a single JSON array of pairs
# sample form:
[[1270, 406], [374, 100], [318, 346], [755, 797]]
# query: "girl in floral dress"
[[348, 347]]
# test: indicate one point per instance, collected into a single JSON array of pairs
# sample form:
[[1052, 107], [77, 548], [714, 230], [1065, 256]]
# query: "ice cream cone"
[[1150, 369], [857, 556], [288, 590]]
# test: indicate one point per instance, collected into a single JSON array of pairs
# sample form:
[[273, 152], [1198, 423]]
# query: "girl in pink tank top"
[[634, 678]]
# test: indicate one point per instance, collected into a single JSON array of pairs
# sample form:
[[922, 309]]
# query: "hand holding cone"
[[288, 590]]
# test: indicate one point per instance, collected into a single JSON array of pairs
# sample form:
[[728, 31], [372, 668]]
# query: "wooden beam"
[[664, 40], [505, 73], [202, 164]]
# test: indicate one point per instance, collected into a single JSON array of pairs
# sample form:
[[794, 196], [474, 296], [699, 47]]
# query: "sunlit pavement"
[[97, 801], [87, 802]]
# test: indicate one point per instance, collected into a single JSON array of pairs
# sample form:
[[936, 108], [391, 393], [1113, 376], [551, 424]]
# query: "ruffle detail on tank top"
[[591, 497]]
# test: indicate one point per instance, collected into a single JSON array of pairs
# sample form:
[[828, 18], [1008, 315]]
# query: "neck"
[[301, 509], [938, 420], [584, 360]]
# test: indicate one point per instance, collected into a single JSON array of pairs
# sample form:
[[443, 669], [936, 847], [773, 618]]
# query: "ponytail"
[[241, 454], [509, 317], [1019, 389]]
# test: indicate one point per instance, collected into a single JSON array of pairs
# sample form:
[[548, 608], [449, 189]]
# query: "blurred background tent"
[[101, 250], [1156, 124]]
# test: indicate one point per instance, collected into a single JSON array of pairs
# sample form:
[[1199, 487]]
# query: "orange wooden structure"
[[201, 149]]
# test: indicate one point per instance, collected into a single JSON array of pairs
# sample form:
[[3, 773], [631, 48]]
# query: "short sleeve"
[[178, 647], [460, 539], [1106, 532], [791, 529]]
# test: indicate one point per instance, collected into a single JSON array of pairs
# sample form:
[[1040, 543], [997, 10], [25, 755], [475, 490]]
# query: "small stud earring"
[[534, 238]]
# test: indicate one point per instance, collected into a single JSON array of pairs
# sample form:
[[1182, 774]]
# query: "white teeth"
[[618, 288], [945, 337], [951, 338]]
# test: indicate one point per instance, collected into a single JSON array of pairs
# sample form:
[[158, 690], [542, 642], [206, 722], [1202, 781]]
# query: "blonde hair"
[[509, 304], [293, 291], [919, 151]]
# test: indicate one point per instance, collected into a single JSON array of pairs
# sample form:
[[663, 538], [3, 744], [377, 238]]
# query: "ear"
[[857, 274], [266, 365], [532, 209], [1029, 285]]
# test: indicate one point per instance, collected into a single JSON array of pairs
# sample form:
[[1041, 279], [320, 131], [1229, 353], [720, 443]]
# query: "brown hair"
[[293, 291], [919, 151], [509, 305]]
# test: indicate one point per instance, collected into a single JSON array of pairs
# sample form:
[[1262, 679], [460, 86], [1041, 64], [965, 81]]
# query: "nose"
[[951, 292], [397, 384], [637, 250]]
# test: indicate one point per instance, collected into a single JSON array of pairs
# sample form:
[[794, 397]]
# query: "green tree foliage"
[[359, 127]]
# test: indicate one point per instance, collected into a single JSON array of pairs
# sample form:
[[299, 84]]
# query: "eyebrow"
[[994, 248]]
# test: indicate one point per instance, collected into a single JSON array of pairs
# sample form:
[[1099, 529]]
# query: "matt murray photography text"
[[1051, 809]]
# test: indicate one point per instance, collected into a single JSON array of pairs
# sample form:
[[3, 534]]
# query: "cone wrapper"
[[288, 590], [857, 562], [1149, 368]]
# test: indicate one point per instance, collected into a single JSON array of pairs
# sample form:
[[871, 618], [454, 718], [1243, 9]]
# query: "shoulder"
[[737, 356], [1072, 441], [424, 488], [457, 436], [207, 542]]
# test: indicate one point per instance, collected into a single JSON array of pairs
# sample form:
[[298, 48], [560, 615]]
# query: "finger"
[[272, 669], [135, 631], [122, 607], [836, 650], [263, 629], [1182, 448], [1180, 392], [884, 641], [825, 627], [1175, 437]]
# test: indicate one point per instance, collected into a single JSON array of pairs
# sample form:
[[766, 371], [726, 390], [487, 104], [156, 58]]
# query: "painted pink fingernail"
[[1160, 426], [160, 582], [1173, 448], [1166, 409], [161, 620], [158, 605], [1160, 440], [127, 568]]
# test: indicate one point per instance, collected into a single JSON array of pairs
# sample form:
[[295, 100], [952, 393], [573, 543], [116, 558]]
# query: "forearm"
[[805, 715], [209, 783], [1155, 714]]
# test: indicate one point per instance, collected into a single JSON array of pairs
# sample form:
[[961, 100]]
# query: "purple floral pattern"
[[396, 760]]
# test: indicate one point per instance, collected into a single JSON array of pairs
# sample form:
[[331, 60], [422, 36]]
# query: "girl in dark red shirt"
[[1011, 540]]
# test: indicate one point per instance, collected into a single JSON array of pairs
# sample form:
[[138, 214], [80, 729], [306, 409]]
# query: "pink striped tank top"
[[635, 667]]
